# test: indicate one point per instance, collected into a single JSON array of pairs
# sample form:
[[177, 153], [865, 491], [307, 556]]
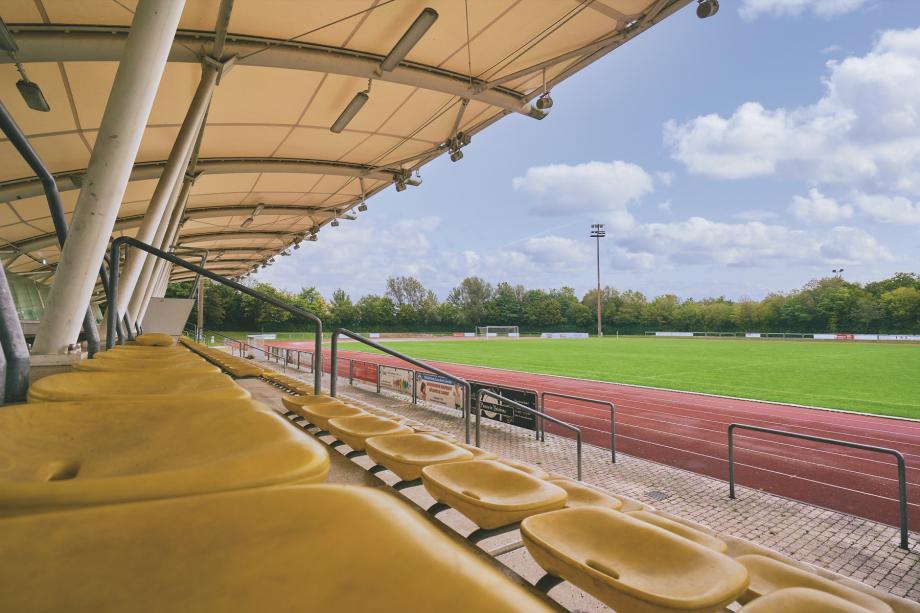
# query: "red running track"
[[689, 431]]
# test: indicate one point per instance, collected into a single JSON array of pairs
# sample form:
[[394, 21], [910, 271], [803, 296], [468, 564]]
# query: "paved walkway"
[[857, 548]]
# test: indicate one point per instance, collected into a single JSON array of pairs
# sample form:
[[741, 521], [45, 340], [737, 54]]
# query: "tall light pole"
[[597, 231], [837, 272]]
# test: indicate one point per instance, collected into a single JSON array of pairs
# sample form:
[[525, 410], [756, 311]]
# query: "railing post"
[[351, 372], [414, 395], [731, 463], [335, 357], [378, 378], [902, 499]]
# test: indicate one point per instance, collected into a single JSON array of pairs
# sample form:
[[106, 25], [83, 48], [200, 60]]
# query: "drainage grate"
[[659, 496]]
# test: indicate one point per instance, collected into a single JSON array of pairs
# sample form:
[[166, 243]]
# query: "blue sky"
[[738, 155]]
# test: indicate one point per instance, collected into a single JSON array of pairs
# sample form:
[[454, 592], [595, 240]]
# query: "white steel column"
[[136, 81], [146, 274], [158, 209]]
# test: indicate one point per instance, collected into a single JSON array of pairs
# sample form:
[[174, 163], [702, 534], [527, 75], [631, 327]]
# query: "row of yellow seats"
[[236, 366], [143, 488], [626, 554]]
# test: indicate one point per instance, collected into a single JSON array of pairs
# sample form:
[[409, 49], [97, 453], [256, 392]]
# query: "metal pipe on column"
[[146, 50], [14, 359], [12, 131]]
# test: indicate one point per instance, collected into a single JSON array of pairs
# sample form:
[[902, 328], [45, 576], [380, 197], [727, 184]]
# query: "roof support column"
[[159, 207], [149, 41]]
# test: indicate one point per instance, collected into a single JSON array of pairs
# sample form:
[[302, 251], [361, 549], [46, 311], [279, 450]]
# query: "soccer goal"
[[496, 331]]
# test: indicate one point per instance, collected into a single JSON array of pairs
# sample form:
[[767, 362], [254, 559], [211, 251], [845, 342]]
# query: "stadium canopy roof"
[[267, 138]]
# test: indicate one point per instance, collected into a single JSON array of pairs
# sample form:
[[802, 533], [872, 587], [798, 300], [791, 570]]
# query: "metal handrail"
[[229, 338], [902, 479], [333, 370], [541, 428], [113, 295], [518, 405], [613, 440]]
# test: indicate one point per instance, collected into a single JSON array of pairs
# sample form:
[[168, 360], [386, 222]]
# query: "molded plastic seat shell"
[[123, 386], [296, 404], [681, 530], [254, 550], [738, 547], [478, 452], [158, 355], [320, 414], [629, 504], [491, 494], [582, 496], [63, 455], [898, 604], [450, 438], [155, 339], [768, 575], [353, 431], [632, 566], [183, 367], [801, 600], [530, 469], [408, 454], [140, 350]]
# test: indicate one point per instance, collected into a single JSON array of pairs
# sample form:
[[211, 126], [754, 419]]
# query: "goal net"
[[496, 331]]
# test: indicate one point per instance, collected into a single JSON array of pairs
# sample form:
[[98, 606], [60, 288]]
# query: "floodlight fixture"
[[258, 209], [271, 260], [456, 156], [246, 222], [544, 102], [707, 8], [335, 220], [416, 181], [351, 110], [414, 34], [362, 207], [400, 186], [296, 245], [312, 238], [32, 94]]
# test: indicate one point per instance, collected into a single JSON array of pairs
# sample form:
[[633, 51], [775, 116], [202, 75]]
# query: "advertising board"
[[564, 335], [396, 379], [439, 390], [493, 408]]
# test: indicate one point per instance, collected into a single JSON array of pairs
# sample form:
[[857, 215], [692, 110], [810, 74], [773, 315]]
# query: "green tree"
[[471, 299], [344, 314], [903, 304]]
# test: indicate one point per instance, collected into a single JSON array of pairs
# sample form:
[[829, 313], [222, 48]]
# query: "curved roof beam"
[[234, 236], [50, 239], [66, 181], [60, 43]]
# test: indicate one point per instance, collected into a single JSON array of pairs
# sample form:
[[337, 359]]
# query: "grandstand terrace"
[[148, 142]]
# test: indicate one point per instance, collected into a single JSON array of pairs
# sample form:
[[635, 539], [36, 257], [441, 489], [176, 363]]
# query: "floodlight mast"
[[597, 231]]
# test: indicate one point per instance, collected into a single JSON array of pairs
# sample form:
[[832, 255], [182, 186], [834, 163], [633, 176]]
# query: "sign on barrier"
[[494, 408], [364, 371], [395, 379], [439, 390], [564, 335], [899, 337]]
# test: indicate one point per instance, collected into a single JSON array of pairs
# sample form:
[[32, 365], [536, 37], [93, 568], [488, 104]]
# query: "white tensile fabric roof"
[[267, 138]]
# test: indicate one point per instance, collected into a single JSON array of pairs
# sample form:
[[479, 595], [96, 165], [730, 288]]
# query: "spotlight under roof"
[[414, 34], [350, 111]]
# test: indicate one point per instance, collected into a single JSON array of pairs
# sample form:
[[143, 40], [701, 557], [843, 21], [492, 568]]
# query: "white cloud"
[[665, 206], [864, 133], [666, 178], [884, 209], [596, 187], [752, 9], [699, 241], [755, 215], [830, 49], [819, 208]]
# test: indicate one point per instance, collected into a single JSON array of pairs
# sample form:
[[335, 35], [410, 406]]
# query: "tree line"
[[830, 304]]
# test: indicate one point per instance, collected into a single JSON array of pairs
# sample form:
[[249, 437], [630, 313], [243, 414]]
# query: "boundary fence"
[[800, 335]]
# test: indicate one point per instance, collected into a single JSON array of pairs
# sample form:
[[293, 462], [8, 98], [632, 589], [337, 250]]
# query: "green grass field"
[[873, 378]]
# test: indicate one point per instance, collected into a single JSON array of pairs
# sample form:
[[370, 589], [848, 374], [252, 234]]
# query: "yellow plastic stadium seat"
[[155, 339], [64, 455], [478, 452], [530, 469], [250, 551], [183, 367], [681, 530], [629, 504], [296, 404], [738, 547], [898, 604], [801, 600], [151, 358], [353, 431], [320, 414], [688, 523], [408, 454], [583, 496], [491, 494], [140, 350], [123, 386], [450, 438], [629, 565], [304, 389], [768, 575]]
